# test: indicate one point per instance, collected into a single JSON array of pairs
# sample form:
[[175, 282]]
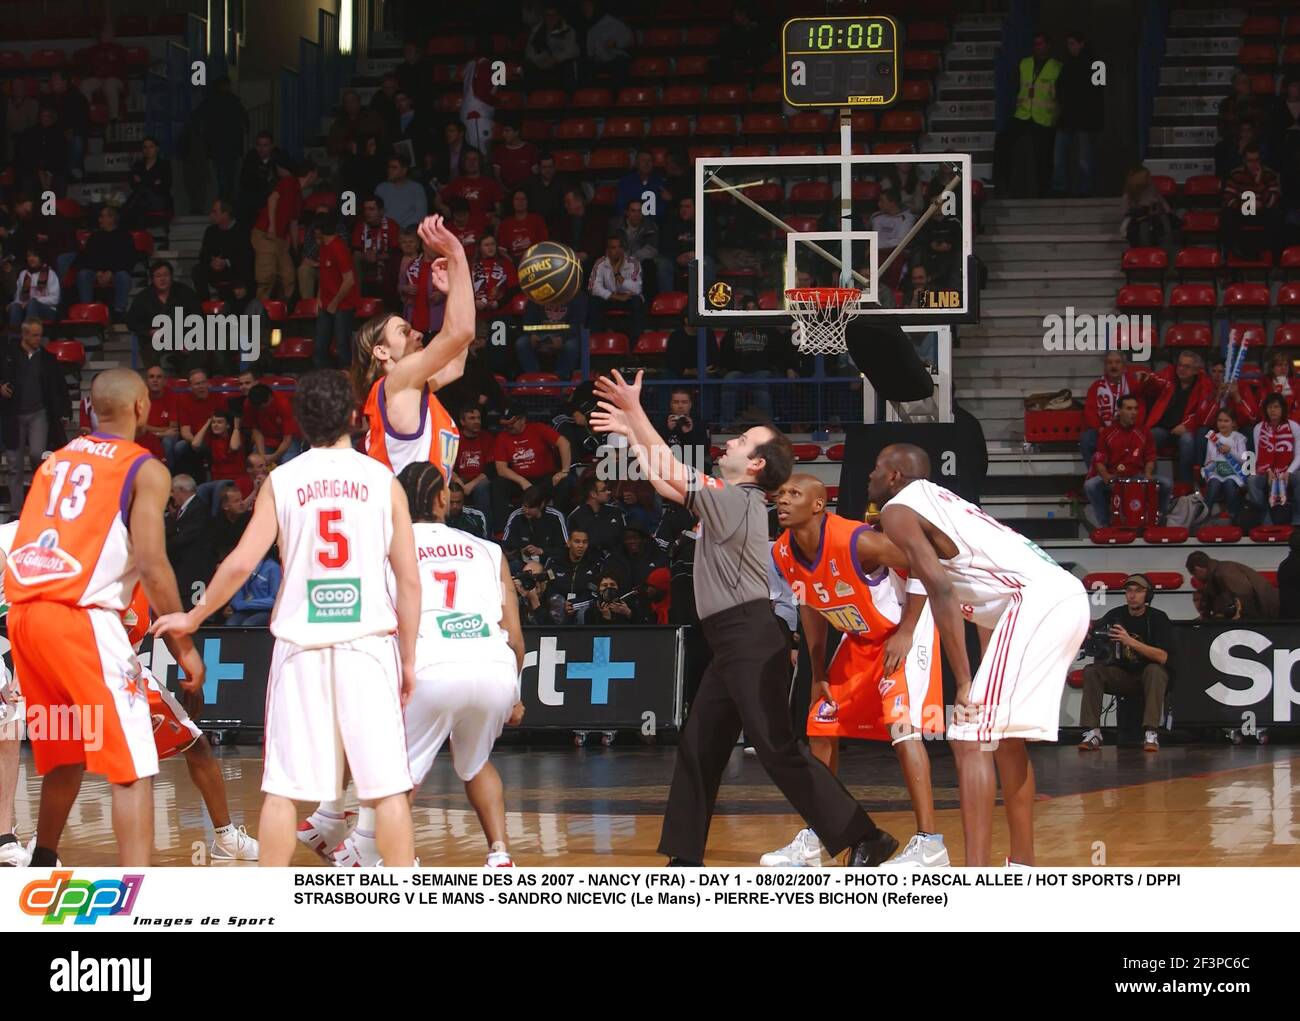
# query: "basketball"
[[550, 273]]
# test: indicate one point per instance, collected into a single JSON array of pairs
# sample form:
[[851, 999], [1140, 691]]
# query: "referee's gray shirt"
[[731, 556]]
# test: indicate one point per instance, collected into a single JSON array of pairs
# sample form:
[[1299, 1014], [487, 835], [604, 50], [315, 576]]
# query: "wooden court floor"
[[1189, 805]]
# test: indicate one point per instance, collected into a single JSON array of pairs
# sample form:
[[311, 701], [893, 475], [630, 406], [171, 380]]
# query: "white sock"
[[366, 821], [224, 831], [331, 809], [498, 846]]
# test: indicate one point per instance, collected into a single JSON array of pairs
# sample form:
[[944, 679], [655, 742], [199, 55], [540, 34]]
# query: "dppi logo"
[[61, 897]]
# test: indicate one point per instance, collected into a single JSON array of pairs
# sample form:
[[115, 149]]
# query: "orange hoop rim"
[[823, 296]]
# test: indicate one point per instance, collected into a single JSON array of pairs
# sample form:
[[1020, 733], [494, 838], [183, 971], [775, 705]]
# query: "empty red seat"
[[768, 93], [637, 95], [1246, 296], [1198, 259], [569, 161], [1192, 296], [691, 65], [809, 123], [47, 58], [650, 67], [608, 344], [1112, 536], [699, 152], [715, 124], [1270, 533], [832, 494], [295, 349], [1292, 27], [1188, 335], [1288, 296], [811, 192], [1074, 678], [727, 94], [1163, 535], [1291, 56], [866, 191], [1218, 533], [1201, 221], [915, 90], [1260, 26], [661, 38], [587, 99], [540, 377], [610, 159], [652, 342], [762, 124], [703, 35], [67, 352], [1140, 296], [1111, 581], [1144, 259], [1262, 84], [1287, 335], [606, 195], [1202, 186], [927, 32], [750, 150], [274, 309], [683, 95], [903, 122], [623, 127], [806, 451], [799, 149], [1258, 55], [575, 128], [670, 126], [89, 312], [304, 309], [835, 452], [142, 241], [368, 308], [891, 148], [1165, 581], [802, 224], [1165, 185], [862, 121], [668, 303], [921, 60]]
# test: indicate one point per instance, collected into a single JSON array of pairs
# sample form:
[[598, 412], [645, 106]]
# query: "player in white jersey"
[[12, 710], [468, 659], [1032, 616], [338, 677]]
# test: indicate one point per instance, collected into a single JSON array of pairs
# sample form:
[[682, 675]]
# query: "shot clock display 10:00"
[[840, 61]]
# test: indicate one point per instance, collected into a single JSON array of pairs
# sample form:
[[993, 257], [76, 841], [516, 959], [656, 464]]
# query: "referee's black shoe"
[[871, 852]]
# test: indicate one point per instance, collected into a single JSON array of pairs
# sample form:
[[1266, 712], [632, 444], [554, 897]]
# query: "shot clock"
[[840, 62]]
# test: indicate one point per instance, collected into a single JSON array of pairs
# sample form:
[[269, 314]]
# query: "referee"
[[747, 682]]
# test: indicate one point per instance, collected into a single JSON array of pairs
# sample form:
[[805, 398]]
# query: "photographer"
[[575, 574], [601, 520], [611, 608], [685, 431], [531, 583], [1134, 640]]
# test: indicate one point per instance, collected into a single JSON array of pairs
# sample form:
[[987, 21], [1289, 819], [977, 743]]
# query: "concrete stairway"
[[961, 117]]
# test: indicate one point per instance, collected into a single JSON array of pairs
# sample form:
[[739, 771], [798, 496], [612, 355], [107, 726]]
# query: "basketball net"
[[821, 316]]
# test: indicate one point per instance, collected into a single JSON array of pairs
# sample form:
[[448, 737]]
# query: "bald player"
[[884, 681], [92, 526], [1032, 616]]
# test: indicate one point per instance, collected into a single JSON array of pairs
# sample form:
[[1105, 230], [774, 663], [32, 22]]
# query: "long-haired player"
[[468, 658]]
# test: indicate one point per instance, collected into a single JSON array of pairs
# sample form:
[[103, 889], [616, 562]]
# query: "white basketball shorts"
[[468, 701]]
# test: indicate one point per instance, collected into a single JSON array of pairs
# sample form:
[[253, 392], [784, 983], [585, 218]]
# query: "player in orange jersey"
[[396, 376], [175, 733], [92, 525], [884, 681]]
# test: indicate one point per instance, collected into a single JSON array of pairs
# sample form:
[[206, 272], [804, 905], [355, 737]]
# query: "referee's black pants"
[[747, 686]]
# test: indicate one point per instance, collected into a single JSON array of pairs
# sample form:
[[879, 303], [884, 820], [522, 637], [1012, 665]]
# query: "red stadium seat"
[[915, 90], [570, 161], [811, 193], [697, 152], [1187, 296], [1246, 296], [638, 95], [1200, 259], [67, 352], [804, 149], [1218, 533], [683, 95], [606, 194], [1262, 84], [652, 342], [835, 452], [1253, 334], [903, 122], [576, 128], [1112, 536], [517, 305], [1258, 55], [1164, 535], [726, 95], [1292, 28], [766, 94], [295, 349], [661, 38], [212, 307], [1188, 335], [650, 67], [1287, 335], [863, 122], [47, 58], [808, 123], [1165, 185], [670, 126], [1166, 581], [703, 35], [1074, 678], [1291, 56], [610, 159], [762, 124], [668, 303], [691, 65], [866, 191], [540, 377], [1260, 26], [806, 451], [274, 309], [321, 200], [1288, 296], [1140, 296], [1145, 259], [750, 150], [11, 59], [1270, 533], [1200, 221], [892, 148], [589, 99], [305, 309], [368, 308], [1110, 581], [927, 32], [69, 209], [142, 241], [832, 494], [921, 60], [716, 124], [1202, 186], [623, 127], [608, 344]]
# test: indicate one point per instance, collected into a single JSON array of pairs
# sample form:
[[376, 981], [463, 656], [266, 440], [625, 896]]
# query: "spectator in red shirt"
[[1281, 379], [163, 414], [337, 298], [476, 454], [219, 439], [269, 419], [192, 413], [521, 229], [526, 454], [375, 242], [467, 226], [107, 66], [493, 275], [275, 230], [1173, 415], [1118, 378], [514, 161], [1274, 489], [1124, 451], [484, 194], [150, 443]]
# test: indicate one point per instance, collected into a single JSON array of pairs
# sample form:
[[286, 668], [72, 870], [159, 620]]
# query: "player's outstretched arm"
[[406, 570], [903, 527], [442, 359], [669, 476], [151, 488], [234, 570]]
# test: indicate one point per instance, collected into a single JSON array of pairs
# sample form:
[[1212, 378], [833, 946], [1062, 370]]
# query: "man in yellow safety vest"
[[1037, 111]]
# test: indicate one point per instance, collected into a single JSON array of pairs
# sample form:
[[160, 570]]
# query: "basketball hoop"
[[821, 315]]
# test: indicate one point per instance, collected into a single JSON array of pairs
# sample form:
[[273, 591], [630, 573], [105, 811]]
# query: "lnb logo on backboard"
[[61, 897]]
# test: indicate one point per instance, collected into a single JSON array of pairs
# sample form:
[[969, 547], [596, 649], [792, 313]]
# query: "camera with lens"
[[528, 580], [1100, 645]]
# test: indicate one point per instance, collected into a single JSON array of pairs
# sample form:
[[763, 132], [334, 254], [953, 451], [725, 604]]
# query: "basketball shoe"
[[355, 852], [499, 858], [804, 851], [921, 852], [234, 844], [323, 833], [12, 852]]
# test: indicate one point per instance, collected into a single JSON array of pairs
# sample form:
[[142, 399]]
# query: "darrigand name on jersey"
[[180, 332]]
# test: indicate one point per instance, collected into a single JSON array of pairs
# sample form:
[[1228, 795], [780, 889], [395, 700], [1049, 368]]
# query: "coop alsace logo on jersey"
[[334, 601], [463, 625], [43, 560]]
